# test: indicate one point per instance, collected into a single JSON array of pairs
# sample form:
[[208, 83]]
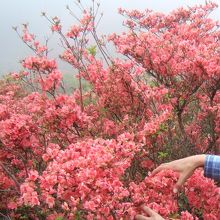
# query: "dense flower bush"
[[88, 154]]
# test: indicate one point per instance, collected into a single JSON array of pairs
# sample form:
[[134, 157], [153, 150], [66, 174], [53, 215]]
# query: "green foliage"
[[183, 203], [167, 97], [92, 50], [163, 127], [23, 217], [23, 212], [162, 155], [181, 101], [153, 83], [78, 215], [59, 218]]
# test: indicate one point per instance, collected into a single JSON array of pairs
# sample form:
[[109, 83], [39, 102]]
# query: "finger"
[[149, 211], [141, 217], [182, 179], [158, 169]]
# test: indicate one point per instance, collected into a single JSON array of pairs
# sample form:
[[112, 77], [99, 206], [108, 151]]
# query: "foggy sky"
[[16, 12]]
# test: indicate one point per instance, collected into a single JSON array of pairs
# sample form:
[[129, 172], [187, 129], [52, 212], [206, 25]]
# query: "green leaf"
[[23, 217], [78, 215], [153, 84], [92, 50], [59, 218], [162, 154], [167, 96], [163, 127], [181, 101]]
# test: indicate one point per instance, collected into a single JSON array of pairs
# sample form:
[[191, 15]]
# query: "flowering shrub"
[[88, 154], [203, 196]]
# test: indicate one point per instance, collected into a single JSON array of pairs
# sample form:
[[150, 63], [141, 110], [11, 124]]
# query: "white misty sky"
[[16, 12]]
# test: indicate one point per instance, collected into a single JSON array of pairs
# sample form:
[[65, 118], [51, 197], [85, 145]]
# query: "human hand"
[[185, 167], [151, 213]]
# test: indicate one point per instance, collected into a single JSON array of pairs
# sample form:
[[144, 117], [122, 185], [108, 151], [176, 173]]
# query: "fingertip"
[[177, 187], [148, 210], [175, 190], [154, 172]]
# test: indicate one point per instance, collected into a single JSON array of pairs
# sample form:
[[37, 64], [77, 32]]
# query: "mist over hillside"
[[14, 13]]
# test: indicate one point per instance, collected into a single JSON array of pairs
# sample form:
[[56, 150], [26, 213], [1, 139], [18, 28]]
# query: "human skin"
[[152, 215], [185, 167]]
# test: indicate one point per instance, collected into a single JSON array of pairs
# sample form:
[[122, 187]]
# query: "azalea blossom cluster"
[[85, 176], [178, 50], [88, 153], [204, 197]]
